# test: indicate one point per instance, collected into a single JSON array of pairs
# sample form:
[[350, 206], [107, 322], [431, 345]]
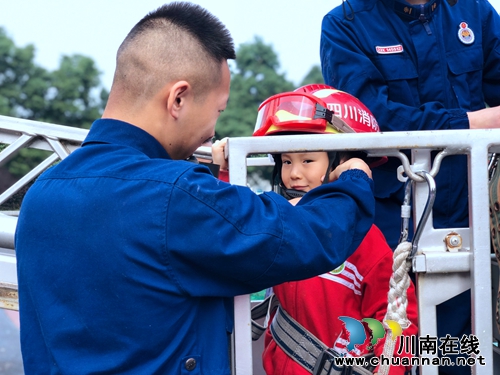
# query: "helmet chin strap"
[[291, 193]]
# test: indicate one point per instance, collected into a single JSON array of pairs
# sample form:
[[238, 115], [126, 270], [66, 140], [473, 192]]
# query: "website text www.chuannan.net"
[[405, 361]]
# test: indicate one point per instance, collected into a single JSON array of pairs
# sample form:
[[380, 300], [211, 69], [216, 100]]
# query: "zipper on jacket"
[[424, 20]]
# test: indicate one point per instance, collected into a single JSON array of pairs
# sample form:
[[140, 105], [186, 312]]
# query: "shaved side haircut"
[[178, 41]]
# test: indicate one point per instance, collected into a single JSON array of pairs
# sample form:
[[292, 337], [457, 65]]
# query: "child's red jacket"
[[358, 289]]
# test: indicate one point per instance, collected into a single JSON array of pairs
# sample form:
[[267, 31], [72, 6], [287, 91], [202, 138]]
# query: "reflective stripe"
[[263, 309], [295, 340], [344, 282]]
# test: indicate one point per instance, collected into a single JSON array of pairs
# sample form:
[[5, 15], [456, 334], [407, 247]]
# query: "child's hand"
[[353, 163], [218, 156]]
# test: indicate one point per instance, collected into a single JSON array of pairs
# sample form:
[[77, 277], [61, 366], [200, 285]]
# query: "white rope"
[[397, 301]]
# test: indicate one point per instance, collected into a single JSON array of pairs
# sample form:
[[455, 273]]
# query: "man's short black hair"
[[200, 23], [178, 41]]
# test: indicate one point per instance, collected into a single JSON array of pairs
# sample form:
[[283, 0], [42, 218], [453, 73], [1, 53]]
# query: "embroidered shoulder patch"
[[386, 50]]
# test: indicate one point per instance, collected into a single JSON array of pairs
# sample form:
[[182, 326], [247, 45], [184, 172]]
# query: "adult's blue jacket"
[[127, 260], [409, 66]]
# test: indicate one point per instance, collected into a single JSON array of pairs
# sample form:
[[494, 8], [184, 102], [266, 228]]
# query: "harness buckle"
[[325, 363]]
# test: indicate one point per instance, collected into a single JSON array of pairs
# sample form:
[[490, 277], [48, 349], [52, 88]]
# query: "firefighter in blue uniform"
[[419, 66], [128, 255]]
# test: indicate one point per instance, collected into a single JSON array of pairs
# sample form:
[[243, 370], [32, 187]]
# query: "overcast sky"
[[95, 28]]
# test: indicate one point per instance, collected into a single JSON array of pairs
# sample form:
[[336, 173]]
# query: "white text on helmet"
[[354, 113]]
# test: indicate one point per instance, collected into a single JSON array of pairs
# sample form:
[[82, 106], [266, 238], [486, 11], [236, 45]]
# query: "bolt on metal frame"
[[440, 274]]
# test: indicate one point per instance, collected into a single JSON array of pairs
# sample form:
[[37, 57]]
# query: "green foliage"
[[71, 95], [75, 97], [254, 79], [314, 76], [22, 84]]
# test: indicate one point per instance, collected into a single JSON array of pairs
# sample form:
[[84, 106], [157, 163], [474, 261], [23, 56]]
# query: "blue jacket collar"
[[125, 134], [410, 12]]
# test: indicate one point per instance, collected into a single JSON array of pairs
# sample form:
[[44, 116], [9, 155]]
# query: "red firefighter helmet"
[[297, 112], [316, 108], [345, 106]]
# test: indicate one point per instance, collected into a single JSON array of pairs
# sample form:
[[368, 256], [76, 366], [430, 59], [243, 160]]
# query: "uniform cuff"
[[459, 119]]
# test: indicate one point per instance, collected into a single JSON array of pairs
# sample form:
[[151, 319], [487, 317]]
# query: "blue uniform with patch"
[[420, 67], [128, 260]]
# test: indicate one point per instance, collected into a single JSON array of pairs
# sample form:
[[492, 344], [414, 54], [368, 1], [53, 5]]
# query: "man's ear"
[[177, 96]]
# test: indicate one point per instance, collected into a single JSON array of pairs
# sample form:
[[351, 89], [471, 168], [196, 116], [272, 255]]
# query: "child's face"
[[303, 171]]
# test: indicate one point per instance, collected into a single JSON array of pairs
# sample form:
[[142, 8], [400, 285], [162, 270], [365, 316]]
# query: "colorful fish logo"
[[357, 331], [376, 328], [357, 334]]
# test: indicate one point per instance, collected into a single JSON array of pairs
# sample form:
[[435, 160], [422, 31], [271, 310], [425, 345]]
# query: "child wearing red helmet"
[[326, 307]]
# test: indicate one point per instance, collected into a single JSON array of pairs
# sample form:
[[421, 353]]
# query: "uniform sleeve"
[[374, 304], [346, 67], [246, 242]]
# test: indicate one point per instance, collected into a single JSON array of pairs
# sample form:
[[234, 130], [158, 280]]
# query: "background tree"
[[314, 76], [22, 84], [71, 95], [75, 96], [254, 78]]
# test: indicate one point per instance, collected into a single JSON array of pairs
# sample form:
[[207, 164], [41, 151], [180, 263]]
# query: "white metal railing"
[[19, 133], [440, 274]]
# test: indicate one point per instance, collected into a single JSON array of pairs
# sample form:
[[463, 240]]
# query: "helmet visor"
[[296, 112]]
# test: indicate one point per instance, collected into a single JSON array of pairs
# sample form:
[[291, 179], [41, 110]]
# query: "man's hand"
[[354, 163], [218, 156]]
